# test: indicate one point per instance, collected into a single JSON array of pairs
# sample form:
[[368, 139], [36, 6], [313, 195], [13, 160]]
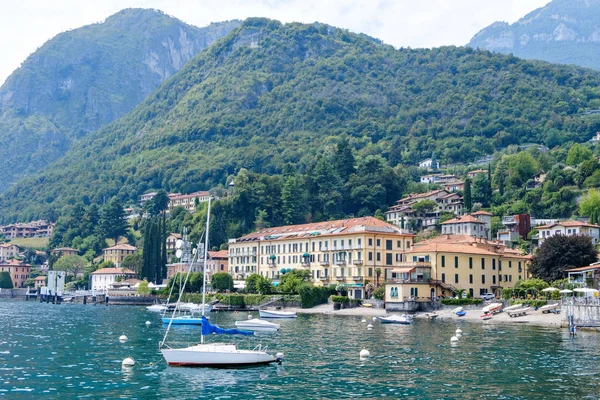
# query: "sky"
[[26, 24]]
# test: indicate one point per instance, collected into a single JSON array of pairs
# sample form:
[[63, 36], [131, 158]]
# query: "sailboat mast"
[[205, 258]]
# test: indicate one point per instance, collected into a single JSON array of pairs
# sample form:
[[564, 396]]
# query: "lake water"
[[70, 351]]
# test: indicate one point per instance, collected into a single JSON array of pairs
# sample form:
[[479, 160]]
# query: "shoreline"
[[531, 318]]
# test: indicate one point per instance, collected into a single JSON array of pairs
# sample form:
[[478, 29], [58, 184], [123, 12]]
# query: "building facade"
[[8, 251], [448, 263], [466, 225], [403, 215], [39, 228], [187, 201], [347, 252], [568, 228], [64, 251], [105, 277], [117, 253], [18, 270]]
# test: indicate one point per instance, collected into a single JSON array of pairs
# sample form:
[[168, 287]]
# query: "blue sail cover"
[[208, 328]]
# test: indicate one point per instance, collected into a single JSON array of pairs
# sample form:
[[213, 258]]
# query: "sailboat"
[[216, 355]]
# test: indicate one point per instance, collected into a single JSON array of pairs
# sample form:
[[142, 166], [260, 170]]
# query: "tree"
[[343, 159], [158, 204], [257, 283], [590, 206], [133, 262], [221, 281], [294, 199], [467, 195], [559, 253], [72, 265], [291, 281], [143, 288], [578, 153], [112, 223], [424, 206], [481, 190], [5, 280]]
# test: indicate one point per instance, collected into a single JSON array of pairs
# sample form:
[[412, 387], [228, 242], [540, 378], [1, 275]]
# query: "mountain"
[[270, 94], [563, 31], [85, 78]]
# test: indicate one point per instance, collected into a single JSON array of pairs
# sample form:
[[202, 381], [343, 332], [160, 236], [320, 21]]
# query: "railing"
[[422, 280], [357, 262], [340, 262], [442, 285], [271, 264], [324, 263], [357, 278], [413, 264], [340, 278], [508, 220], [323, 278], [305, 263]]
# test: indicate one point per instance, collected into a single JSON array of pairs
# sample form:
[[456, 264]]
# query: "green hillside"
[[271, 94], [85, 78]]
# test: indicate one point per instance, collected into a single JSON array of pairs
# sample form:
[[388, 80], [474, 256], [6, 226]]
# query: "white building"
[[428, 163], [8, 250], [105, 277], [466, 225], [568, 228]]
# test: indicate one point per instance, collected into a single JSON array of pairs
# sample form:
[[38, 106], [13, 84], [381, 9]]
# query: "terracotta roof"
[[452, 248], [7, 245], [176, 235], [463, 219], [218, 254], [40, 278], [121, 246], [14, 263], [587, 268], [467, 245], [327, 228], [481, 212], [450, 195], [113, 271], [567, 224]]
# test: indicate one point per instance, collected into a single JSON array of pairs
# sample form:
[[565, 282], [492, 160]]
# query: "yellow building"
[[117, 253], [441, 266], [347, 252]]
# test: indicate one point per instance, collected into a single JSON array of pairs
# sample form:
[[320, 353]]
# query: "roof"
[[40, 278], [417, 196], [218, 254], [568, 224], [466, 244], [481, 212], [121, 246], [113, 271], [587, 268], [177, 196], [65, 249], [404, 270], [176, 235], [14, 263], [326, 228], [463, 219], [6, 245]]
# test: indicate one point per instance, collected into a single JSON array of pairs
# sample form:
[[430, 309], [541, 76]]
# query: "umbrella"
[[586, 290], [550, 289], [566, 291]]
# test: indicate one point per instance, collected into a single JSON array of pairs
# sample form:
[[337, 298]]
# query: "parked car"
[[488, 296]]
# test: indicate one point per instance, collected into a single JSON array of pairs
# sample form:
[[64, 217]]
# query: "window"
[[370, 256], [443, 278], [470, 262], [388, 245], [471, 292], [482, 263], [455, 278], [510, 264], [378, 256], [370, 242], [359, 241], [471, 278], [388, 258], [358, 255], [483, 279], [499, 265], [482, 291], [443, 261], [455, 262], [493, 263], [370, 271], [378, 242], [499, 278], [493, 279], [399, 243]]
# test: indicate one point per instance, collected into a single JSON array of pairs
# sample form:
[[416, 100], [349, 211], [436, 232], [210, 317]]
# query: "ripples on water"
[[70, 351]]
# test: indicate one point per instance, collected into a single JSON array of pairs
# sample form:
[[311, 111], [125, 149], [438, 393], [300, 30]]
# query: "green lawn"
[[34, 242]]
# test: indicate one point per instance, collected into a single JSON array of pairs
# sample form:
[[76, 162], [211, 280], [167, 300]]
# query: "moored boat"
[[403, 319], [492, 308], [277, 314], [486, 316], [257, 325], [157, 308]]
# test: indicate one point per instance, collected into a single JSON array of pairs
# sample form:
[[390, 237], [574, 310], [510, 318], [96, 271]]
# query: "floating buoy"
[[128, 362], [249, 316], [364, 353], [370, 326], [122, 338], [147, 323], [279, 356], [458, 332], [453, 339], [374, 318], [363, 320]]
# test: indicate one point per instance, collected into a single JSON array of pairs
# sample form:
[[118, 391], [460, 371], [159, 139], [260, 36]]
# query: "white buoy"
[[453, 339], [249, 316], [363, 320], [364, 353], [128, 362], [147, 323], [370, 326], [458, 332], [122, 338], [279, 356], [374, 318]]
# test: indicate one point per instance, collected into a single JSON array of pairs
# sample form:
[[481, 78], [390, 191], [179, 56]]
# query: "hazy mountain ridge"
[[270, 94], [85, 78], [563, 31]]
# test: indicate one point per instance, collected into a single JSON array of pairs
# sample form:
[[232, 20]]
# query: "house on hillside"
[[403, 215], [475, 172], [568, 228], [103, 278], [116, 254], [172, 241], [39, 281], [429, 163], [187, 201], [466, 225], [8, 251], [64, 252], [18, 270]]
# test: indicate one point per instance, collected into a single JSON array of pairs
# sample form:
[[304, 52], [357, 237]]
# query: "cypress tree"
[[157, 270], [163, 239], [467, 195], [146, 252]]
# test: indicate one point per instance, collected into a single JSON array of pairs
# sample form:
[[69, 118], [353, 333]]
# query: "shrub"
[[379, 293], [340, 299], [242, 299], [5, 280], [461, 302], [221, 281], [311, 296]]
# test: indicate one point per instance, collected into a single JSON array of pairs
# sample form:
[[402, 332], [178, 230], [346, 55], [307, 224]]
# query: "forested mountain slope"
[[271, 94], [563, 31], [85, 78]]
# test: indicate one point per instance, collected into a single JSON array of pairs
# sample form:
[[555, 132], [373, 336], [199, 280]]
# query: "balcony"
[[323, 278], [510, 220], [340, 262], [324, 263], [271, 264], [357, 262], [305, 264], [340, 278], [410, 280], [413, 264], [357, 278]]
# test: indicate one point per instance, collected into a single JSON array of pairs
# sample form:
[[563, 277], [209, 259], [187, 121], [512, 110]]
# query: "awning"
[[404, 270], [305, 255]]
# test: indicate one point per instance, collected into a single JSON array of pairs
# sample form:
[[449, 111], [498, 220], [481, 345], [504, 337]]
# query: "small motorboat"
[[486, 316], [431, 315], [183, 320], [516, 306], [277, 314], [403, 319], [460, 311], [548, 308], [492, 308], [518, 311], [257, 325], [157, 308]]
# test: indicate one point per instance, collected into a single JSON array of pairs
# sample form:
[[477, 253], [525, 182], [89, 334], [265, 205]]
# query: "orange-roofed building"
[[117, 253], [568, 228], [18, 270], [443, 265], [105, 277], [466, 225], [347, 252]]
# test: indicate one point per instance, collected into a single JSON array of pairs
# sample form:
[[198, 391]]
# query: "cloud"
[[26, 24]]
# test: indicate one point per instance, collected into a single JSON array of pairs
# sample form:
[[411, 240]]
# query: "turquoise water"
[[70, 351]]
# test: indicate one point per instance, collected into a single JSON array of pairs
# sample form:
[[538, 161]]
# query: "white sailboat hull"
[[276, 314], [216, 355], [257, 325], [157, 308]]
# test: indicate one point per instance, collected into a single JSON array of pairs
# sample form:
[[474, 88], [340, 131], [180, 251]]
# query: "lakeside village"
[[429, 251]]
